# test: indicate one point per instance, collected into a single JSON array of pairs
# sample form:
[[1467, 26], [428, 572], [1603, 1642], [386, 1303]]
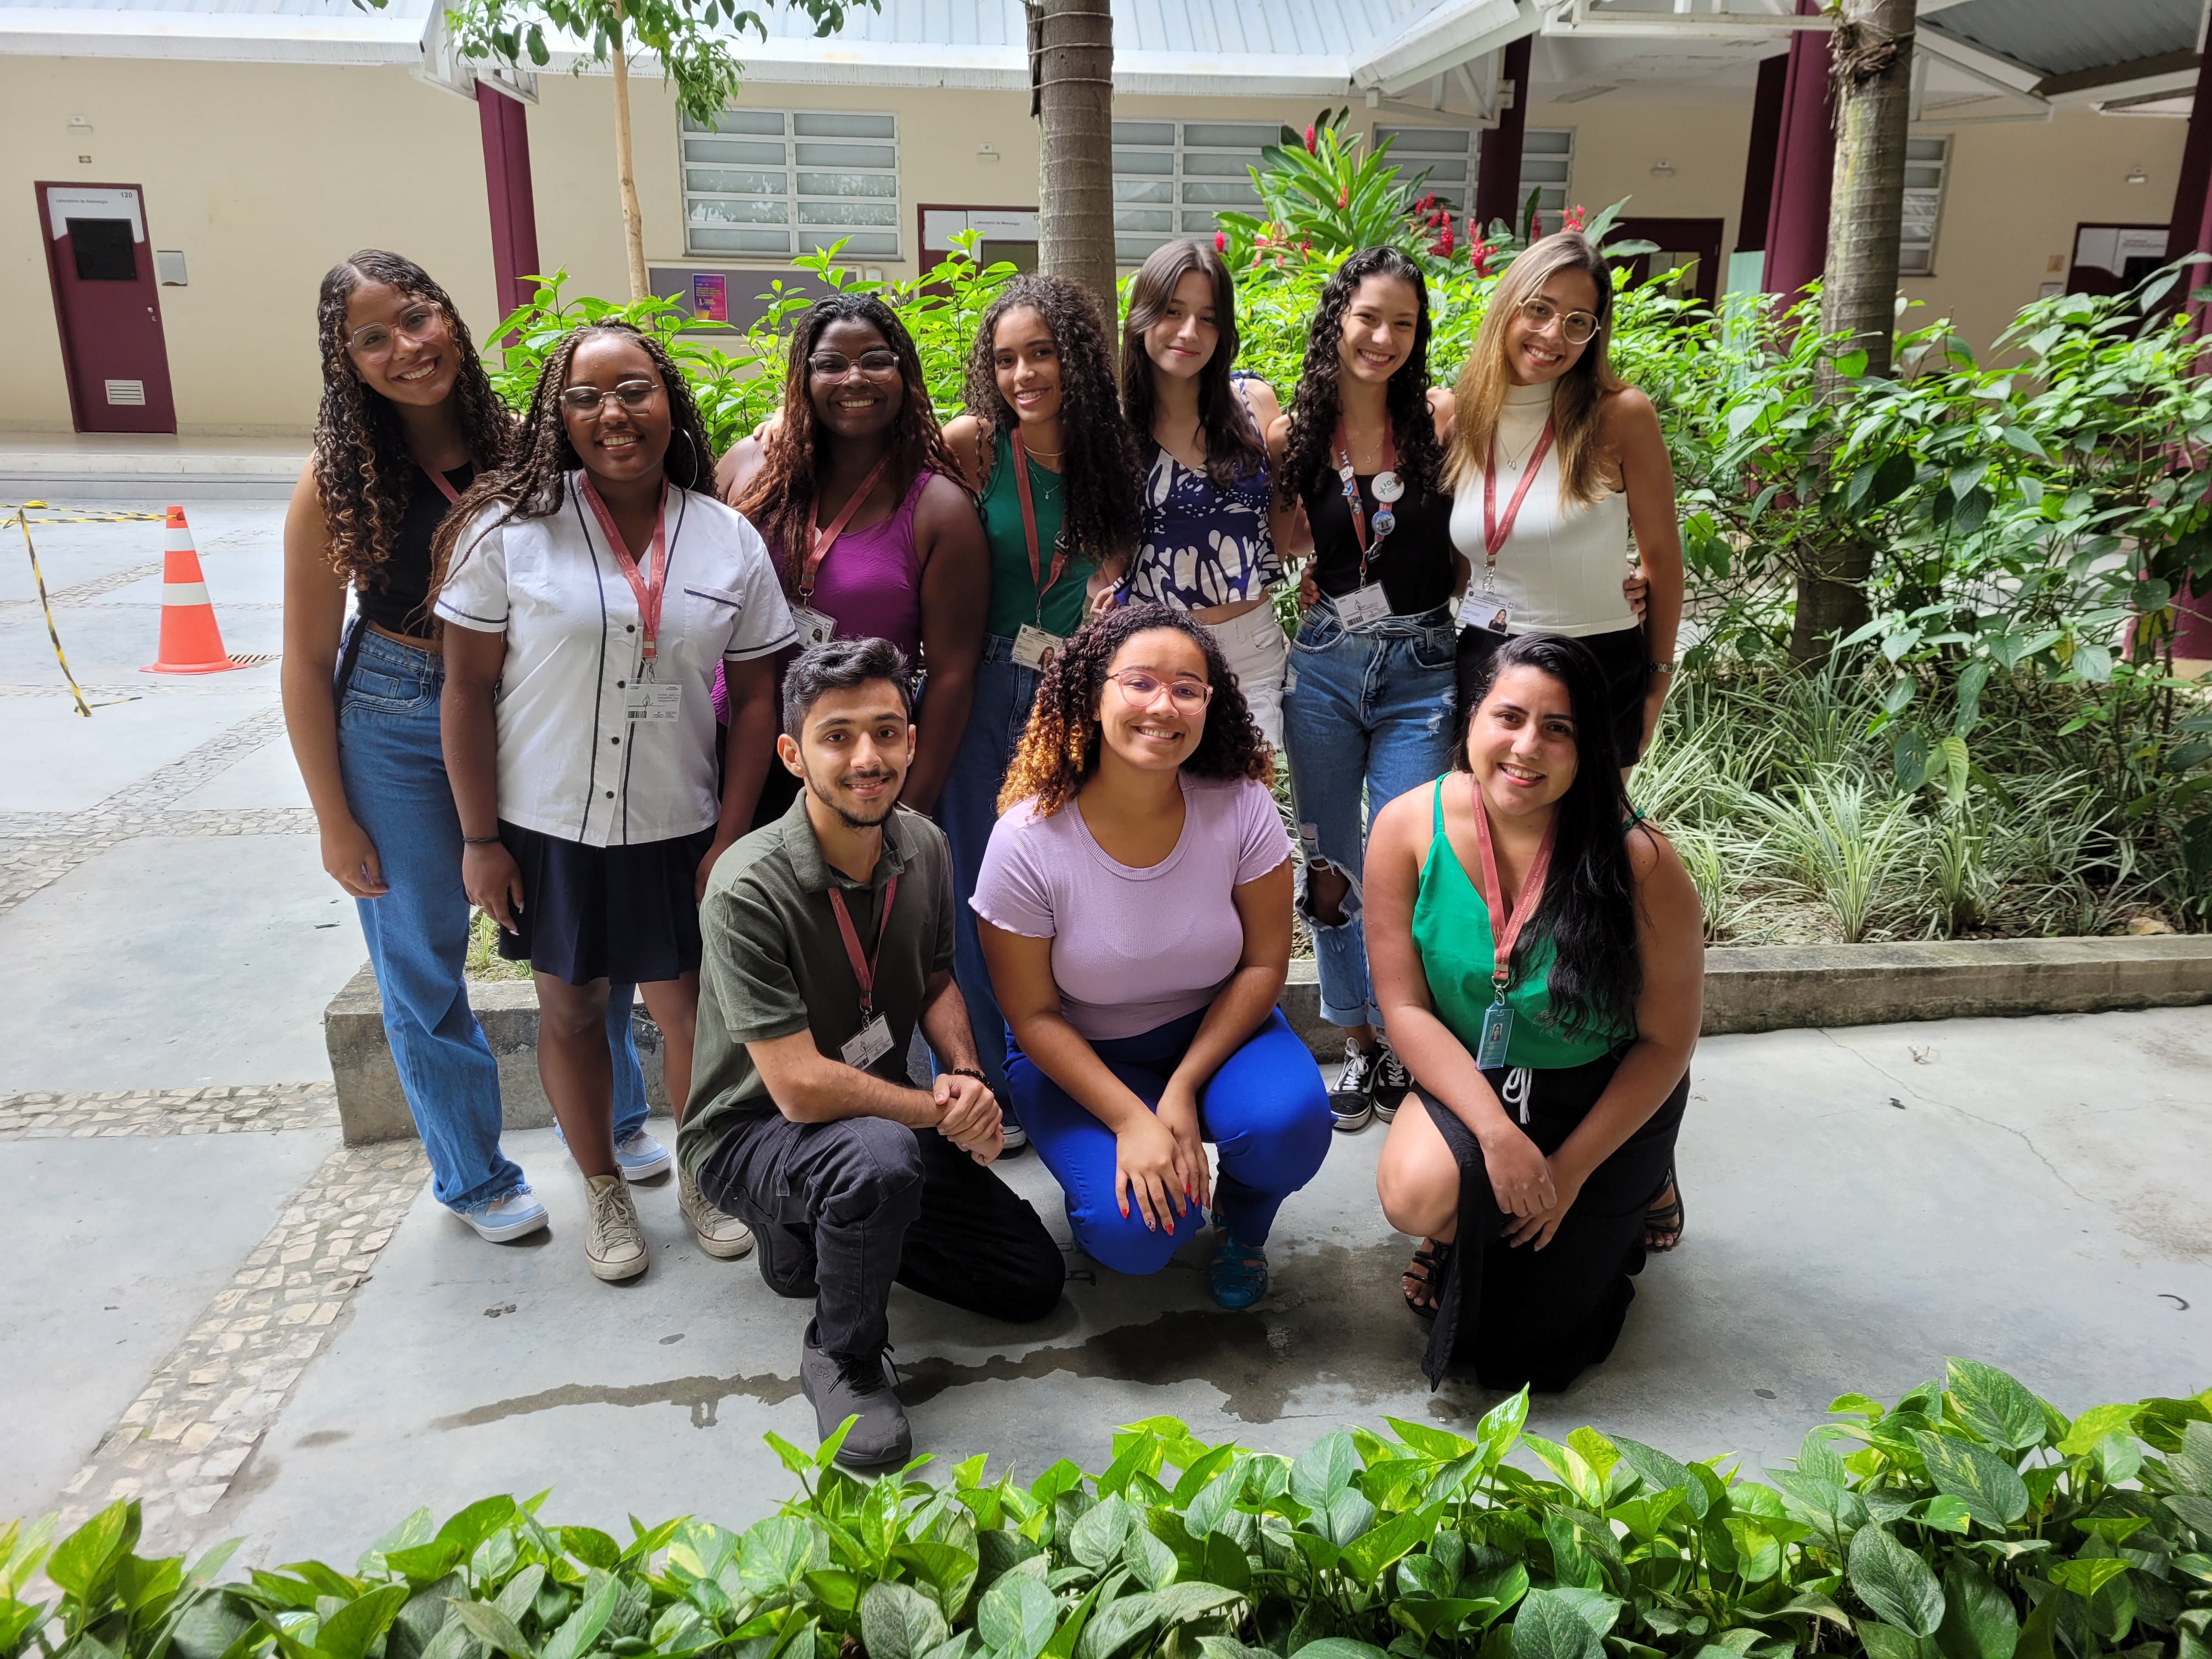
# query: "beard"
[[848, 819]]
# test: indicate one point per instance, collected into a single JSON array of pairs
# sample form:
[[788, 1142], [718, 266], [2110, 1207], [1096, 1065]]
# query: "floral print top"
[[1203, 545]]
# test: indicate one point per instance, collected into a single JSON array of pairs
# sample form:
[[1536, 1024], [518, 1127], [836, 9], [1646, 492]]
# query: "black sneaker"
[[1392, 1080], [858, 1388], [1352, 1097]]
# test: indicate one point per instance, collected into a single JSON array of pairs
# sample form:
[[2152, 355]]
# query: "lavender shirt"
[[1133, 949]]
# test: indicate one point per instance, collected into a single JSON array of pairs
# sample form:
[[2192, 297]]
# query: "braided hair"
[[1318, 405], [535, 481], [365, 476], [780, 501], [1101, 472], [1059, 751]]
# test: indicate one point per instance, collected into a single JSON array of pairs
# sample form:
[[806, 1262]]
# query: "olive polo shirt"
[[775, 963]]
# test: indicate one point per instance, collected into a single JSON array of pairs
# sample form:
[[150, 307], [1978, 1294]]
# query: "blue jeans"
[[966, 810], [1367, 714], [394, 771], [1265, 1110]]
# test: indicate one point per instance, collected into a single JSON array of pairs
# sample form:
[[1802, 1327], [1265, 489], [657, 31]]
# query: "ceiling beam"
[[2111, 74], [1455, 33]]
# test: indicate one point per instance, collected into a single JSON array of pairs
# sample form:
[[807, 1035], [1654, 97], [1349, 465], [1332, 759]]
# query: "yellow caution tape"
[[39, 577], [116, 517]]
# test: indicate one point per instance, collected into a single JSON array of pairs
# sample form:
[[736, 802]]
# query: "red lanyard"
[[648, 586], [445, 484], [1043, 585], [1495, 534], [1350, 481], [1493, 891], [826, 539], [865, 972]]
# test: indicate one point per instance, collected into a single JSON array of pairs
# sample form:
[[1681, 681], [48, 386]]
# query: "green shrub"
[[1970, 1520]]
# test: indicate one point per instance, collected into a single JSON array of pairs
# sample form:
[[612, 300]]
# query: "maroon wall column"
[[2191, 231], [1758, 159], [1804, 166], [1497, 175], [507, 182]]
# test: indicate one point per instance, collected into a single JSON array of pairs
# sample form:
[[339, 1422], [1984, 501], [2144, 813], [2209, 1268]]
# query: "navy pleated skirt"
[[624, 914]]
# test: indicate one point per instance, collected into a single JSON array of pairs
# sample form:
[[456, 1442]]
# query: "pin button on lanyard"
[[649, 586], [864, 970], [1041, 583], [826, 539], [1385, 520], [1496, 532]]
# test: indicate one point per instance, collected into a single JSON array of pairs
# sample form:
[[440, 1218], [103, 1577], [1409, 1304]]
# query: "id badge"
[[1497, 1030], [1363, 606], [815, 627], [650, 702], [1035, 648], [873, 1043], [1485, 611]]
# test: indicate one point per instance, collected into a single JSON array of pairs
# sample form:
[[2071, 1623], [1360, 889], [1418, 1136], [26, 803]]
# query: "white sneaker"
[[719, 1233], [516, 1216], [640, 1159], [614, 1242], [1011, 1126]]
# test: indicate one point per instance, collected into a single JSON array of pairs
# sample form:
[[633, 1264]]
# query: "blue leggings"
[[1266, 1110]]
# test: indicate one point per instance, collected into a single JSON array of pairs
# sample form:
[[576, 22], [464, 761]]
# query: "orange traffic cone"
[[191, 642]]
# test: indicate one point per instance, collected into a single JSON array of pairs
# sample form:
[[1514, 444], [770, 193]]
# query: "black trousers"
[[845, 1210], [1624, 656], [1525, 1316]]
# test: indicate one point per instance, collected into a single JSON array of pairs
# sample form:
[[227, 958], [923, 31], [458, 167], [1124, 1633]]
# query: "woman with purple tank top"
[[856, 496]]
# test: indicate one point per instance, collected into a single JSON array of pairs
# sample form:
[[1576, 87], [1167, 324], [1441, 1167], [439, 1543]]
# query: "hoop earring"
[[690, 451]]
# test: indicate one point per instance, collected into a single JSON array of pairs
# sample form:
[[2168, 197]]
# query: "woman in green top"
[[1554, 1079], [1055, 471]]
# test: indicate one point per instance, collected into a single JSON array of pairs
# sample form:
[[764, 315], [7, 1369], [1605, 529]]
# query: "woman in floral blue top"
[[1213, 539]]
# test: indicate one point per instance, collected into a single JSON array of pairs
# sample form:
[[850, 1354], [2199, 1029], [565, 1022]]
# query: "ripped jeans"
[[1367, 715]]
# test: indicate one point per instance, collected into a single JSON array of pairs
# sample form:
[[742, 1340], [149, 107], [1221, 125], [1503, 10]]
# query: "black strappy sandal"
[[1427, 1270], [1665, 1218]]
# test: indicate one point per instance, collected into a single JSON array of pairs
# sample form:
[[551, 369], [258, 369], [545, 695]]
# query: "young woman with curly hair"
[[596, 586], [408, 420], [1135, 910], [1539, 955], [857, 479], [1367, 701], [1214, 532], [1054, 469]]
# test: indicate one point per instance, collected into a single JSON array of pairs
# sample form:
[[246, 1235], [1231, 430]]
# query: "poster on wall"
[[710, 296]]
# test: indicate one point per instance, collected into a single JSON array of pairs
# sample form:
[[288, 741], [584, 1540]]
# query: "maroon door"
[[1679, 240], [101, 265]]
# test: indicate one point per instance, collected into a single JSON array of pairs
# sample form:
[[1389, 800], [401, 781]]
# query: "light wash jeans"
[[1367, 715], [419, 933], [966, 810]]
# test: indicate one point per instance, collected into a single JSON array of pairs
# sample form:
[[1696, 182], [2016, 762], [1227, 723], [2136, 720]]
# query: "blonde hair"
[[1581, 392]]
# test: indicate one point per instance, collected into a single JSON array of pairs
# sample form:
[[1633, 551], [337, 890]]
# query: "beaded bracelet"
[[967, 1071]]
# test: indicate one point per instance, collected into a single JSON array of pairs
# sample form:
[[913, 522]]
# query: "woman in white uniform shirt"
[[1553, 460], [589, 591]]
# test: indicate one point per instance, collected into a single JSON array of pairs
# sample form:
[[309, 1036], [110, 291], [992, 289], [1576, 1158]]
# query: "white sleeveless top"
[[1560, 570]]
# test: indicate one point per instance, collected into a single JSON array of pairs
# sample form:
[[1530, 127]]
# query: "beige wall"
[[265, 175]]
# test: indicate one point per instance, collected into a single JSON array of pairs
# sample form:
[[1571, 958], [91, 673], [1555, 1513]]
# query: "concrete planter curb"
[[1764, 987]]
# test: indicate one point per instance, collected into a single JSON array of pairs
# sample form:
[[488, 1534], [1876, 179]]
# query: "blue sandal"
[[1238, 1273]]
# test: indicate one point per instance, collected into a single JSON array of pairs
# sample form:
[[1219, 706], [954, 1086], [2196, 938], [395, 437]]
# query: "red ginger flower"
[[1309, 141], [1220, 242], [1575, 218]]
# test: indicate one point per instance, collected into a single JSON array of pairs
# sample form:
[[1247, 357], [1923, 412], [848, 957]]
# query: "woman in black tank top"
[[408, 416]]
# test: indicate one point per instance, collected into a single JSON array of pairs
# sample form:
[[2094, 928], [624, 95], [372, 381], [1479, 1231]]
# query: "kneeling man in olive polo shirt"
[[828, 935]]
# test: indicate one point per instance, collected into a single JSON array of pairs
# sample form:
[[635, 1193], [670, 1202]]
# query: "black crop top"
[[397, 597], [1415, 561]]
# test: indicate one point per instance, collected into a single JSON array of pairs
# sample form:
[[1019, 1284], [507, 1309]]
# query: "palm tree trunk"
[[633, 220], [1071, 81], [1872, 60]]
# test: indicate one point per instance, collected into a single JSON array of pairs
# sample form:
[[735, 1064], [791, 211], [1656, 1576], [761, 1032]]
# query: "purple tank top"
[[870, 583]]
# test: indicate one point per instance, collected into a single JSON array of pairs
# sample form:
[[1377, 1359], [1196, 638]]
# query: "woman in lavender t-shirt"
[[1135, 908]]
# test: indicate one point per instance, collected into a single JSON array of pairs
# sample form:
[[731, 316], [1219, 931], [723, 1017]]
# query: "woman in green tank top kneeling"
[[1539, 955]]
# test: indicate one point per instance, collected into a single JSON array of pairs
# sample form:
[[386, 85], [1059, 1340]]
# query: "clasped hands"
[[1159, 1161], [968, 1115], [1533, 1191]]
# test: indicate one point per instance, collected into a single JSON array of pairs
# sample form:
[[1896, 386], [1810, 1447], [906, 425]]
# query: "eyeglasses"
[[632, 395], [876, 365], [1576, 327], [421, 323], [1141, 688]]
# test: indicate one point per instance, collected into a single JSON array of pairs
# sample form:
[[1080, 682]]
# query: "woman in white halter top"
[[1552, 462]]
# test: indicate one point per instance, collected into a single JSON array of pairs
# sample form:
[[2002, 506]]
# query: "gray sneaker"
[[842, 1387]]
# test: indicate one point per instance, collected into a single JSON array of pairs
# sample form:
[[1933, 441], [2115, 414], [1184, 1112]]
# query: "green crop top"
[[1013, 593], [1451, 931]]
